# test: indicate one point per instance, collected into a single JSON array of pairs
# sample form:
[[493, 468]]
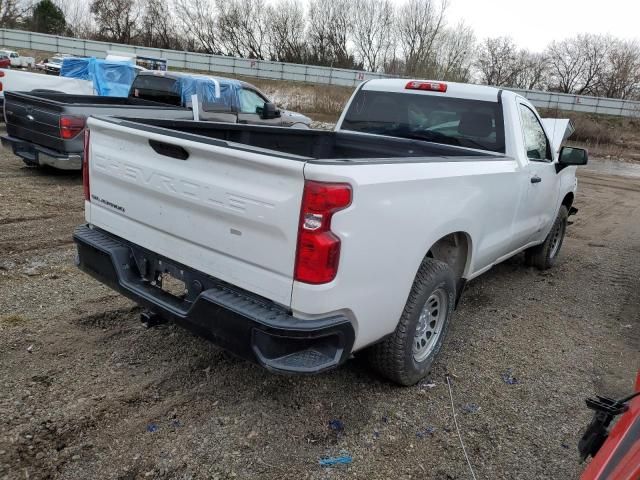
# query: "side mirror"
[[570, 156], [268, 111]]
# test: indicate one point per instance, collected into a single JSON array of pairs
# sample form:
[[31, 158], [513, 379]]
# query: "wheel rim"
[[430, 324], [556, 239]]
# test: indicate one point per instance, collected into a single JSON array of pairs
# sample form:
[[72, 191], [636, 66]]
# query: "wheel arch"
[[454, 249], [567, 201]]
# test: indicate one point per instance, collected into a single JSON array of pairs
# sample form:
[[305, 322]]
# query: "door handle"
[[536, 179]]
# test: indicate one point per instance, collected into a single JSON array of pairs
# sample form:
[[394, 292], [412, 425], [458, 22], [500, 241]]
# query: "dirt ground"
[[87, 392]]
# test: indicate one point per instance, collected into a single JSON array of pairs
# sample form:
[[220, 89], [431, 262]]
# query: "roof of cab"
[[173, 74], [457, 90]]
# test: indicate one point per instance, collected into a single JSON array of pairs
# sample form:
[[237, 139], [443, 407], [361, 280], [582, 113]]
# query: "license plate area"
[[169, 278], [172, 285]]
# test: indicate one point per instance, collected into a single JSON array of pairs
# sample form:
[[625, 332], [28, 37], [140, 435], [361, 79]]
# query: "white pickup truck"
[[18, 61], [297, 248]]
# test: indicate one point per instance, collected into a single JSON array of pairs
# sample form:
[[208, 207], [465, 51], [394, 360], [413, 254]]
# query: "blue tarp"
[[110, 79], [207, 89], [75, 68], [212, 93]]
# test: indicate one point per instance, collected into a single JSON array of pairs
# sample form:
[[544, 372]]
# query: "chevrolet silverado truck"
[[297, 248], [44, 128]]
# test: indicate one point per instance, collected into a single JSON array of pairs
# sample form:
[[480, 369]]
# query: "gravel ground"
[[87, 392]]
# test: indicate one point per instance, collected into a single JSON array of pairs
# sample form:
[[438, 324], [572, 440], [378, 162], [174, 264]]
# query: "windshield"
[[452, 121], [57, 61]]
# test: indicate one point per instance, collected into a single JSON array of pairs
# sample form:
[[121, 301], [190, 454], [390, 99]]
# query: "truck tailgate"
[[230, 213], [33, 120]]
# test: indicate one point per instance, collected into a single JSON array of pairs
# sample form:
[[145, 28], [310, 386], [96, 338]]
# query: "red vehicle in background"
[[5, 61], [615, 452]]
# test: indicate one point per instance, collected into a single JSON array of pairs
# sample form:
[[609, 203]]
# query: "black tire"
[[394, 356], [544, 256]]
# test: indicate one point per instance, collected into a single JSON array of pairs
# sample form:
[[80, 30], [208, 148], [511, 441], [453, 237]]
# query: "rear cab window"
[[461, 122], [156, 89], [224, 103]]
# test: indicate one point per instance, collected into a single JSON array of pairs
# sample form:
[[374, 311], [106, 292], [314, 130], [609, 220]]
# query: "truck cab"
[[221, 99]]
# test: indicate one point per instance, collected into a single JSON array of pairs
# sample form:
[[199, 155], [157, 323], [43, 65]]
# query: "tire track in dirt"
[[12, 220]]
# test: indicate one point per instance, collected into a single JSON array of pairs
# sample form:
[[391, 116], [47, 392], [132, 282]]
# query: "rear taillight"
[[85, 166], [318, 251], [70, 127], [429, 86]]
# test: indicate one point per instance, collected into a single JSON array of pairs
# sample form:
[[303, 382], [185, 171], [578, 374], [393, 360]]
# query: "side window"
[[250, 100], [535, 140]]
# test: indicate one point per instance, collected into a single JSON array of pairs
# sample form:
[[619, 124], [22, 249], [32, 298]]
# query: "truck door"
[[249, 101], [539, 207]]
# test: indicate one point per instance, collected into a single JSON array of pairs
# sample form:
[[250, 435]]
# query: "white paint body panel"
[[18, 60], [17, 81], [230, 214], [399, 210]]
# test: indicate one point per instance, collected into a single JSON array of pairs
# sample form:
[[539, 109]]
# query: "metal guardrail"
[[190, 61], [288, 71], [581, 103]]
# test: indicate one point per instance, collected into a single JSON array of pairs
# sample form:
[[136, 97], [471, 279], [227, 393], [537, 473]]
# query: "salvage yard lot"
[[86, 391]]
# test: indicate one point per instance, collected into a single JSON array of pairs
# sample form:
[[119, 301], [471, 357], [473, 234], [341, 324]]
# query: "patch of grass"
[[12, 320], [603, 135]]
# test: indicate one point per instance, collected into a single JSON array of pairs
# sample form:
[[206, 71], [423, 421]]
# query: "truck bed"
[[34, 117], [308, 145], [63, 100]]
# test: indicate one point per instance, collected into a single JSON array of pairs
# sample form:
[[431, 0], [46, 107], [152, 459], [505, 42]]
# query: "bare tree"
[[286, 31], [577, 64], [420, 23], [497, 61], [11, 12], [198, 22], [622, 76], [373, 33], [117, 20], [531, 70], [158, 28], [328, 28], [243, 28], [455, 53], [78, 15]]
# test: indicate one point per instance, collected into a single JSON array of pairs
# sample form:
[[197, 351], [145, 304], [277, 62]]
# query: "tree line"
[[413, 39]]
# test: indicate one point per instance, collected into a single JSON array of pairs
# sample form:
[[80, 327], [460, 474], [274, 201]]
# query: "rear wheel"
[[544, 256], [406, 355]]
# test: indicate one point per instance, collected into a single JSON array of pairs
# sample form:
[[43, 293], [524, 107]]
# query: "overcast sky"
[[534, 23]]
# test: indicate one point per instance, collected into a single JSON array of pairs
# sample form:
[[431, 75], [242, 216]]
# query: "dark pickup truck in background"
[[44, 128]]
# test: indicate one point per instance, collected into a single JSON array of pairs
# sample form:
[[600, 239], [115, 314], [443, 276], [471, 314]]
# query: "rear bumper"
[[247, 325], [33, 154]]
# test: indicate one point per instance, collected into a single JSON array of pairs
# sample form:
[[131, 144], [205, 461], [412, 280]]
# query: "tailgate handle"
[[169, 150]]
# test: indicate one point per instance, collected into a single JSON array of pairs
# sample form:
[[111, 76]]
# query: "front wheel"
[[407, 354], [544, 256]]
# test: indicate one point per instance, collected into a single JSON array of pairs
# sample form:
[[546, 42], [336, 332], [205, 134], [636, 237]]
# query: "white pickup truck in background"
[[18, 61], [296, 248]]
